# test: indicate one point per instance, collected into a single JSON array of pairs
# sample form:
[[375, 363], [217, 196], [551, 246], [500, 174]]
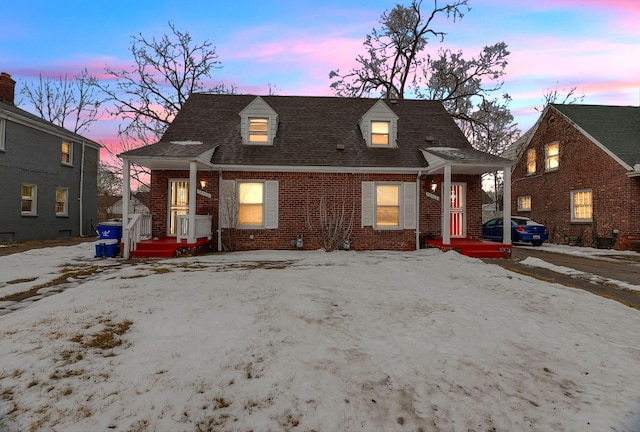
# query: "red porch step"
[[473, 248], [168, 247]]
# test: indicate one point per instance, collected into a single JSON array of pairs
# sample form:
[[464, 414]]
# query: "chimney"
[[7, 88]]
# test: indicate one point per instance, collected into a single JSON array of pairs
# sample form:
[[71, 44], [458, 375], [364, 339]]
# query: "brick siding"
[[299, 198], [583, 165]]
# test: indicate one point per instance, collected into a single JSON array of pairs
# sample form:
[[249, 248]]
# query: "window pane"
[[531, 161], [258, 129], [251, 193], [250, 210], [387, 216], [583, 205], [552, 156], [387, 195], [61, 201], [66, 152], [27, 191], [524, 203], [387, 205], [250, 214], [379, 133]]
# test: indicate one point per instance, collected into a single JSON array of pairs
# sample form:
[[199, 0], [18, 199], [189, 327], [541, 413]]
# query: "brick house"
[[48, 176], [578, 172], [282, 172]]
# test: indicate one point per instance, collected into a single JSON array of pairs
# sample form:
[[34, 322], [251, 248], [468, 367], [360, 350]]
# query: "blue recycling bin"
[[111, 230], [109, 248]]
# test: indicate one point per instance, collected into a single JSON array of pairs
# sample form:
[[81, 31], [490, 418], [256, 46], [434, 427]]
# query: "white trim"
[[520, 208], [3, 134], [318, 169], [65, 212], [34, 200], [50, 129], [572, 194]]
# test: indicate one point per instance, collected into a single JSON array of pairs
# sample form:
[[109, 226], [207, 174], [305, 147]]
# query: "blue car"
[[523, 229]]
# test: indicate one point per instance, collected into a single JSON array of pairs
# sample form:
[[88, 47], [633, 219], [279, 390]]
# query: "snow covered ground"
[[310, 341]]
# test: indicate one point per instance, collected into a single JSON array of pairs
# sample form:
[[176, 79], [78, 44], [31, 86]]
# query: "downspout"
[[418, 209], [80, 198], [219, 207]]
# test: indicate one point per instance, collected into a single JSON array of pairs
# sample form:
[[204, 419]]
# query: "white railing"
[[138, 228], [202, 228]]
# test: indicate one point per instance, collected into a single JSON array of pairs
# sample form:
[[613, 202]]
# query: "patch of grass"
[[221, 402], [17, 281], [107, 338], [62, 279]]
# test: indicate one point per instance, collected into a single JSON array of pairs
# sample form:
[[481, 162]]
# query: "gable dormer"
[[258, 123], [379, 126]]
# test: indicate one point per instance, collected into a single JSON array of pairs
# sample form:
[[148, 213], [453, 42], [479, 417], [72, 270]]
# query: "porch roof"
[[462, 160]]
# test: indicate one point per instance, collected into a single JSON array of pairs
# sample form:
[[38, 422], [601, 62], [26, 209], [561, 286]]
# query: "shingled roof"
[[617, 128], [309, 131]]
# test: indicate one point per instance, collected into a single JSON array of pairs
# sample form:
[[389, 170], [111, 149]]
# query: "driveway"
[[624, 268]]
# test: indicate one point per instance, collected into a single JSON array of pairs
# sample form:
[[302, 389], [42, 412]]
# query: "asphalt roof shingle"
[[615, 127], [309, 130]]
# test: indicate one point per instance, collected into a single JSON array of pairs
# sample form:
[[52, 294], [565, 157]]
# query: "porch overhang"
[[462, 161], [170, 163], [448, 161]]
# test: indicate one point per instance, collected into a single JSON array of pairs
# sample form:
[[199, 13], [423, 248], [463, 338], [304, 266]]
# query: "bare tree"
[[560, 96], [166, 71], [72, 103], [109, 180], [333, 219], [394, 65], [392, 57]]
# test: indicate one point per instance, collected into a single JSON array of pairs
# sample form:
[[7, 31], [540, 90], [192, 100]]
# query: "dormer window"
[[258, 123], [379, 126], [258, 130], [380, 133]]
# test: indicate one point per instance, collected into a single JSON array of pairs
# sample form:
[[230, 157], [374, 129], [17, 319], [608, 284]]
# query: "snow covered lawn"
[[311, 341]]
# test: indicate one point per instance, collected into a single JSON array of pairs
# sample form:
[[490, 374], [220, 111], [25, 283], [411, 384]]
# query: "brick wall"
[[583, 165], [299, 207]]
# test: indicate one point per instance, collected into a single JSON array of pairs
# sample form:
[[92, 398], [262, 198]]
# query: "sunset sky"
[[593, 45]]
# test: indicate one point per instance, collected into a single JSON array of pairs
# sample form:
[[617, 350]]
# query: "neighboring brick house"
[[279, 172], [578, 172], [48, 176]]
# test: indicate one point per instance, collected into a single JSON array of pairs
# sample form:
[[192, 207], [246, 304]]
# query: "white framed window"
[[67, 153], [552, 156], [379, 126], [29, 199], [380, 133], [524, 203], [582, 205], [62, 202], [3, 134], [388, 205], [249, 204], [531, 161], [258, 130]]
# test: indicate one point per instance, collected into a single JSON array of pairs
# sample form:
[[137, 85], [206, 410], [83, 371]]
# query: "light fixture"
[[434, 186], [203, 183]]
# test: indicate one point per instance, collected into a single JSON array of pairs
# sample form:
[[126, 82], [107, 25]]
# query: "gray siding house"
[[48, 176]]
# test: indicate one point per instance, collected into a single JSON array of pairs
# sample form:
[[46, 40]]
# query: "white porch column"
[[126, 193], [193, 173], [506, 206], [446, 206]]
